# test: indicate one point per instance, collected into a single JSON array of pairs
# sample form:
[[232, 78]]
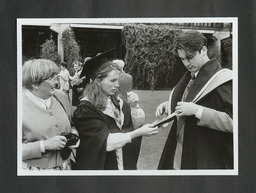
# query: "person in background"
[[201, 136], [76, 80], [125, 80], [45, 116], [64, 78], [110, 139]]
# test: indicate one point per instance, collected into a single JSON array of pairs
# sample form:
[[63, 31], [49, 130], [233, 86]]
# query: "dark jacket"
[[203, 148], [94, 127]]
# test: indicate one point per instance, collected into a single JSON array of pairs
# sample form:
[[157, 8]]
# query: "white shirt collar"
[[195, 74], [38, 101]]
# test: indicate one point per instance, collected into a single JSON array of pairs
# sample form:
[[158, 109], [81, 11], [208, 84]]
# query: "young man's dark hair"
[[191, 41]]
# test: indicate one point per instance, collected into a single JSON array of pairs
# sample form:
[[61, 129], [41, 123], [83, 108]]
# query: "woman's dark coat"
[[94, 127]]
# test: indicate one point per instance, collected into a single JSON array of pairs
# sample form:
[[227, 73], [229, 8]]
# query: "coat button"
[[56, 125], [51, 113]]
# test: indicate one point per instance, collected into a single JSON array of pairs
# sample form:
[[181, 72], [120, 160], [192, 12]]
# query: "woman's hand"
[[55, 143], [132, 99], [145, 130], [76, 81]]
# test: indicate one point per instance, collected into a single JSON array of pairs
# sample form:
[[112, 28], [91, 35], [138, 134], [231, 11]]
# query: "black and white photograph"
[[152, 96]]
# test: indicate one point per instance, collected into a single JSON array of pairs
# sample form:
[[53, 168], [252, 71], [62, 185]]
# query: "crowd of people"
[[104, 130]]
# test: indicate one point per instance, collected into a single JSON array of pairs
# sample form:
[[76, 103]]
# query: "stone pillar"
[[220, 35]]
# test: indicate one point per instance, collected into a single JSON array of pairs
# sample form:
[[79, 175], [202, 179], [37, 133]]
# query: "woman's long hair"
[[93, 91]]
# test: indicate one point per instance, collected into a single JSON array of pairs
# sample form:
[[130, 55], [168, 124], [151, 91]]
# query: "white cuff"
[[117, 140], [42, 148], [199, 112]]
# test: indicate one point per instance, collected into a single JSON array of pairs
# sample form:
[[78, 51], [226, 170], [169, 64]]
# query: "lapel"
[[205, 73], [179, 89]]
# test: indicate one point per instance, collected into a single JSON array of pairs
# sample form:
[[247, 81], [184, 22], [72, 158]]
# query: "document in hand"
[[164, 120]]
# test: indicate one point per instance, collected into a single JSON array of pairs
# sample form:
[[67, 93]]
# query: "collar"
[[38, 101], [202, 76], [195, 74], [109, 111]]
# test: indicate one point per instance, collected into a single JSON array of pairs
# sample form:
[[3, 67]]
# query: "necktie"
[[181, 120], [187, 89]]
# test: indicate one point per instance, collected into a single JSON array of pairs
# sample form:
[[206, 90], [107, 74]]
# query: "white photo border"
[[47, 22]]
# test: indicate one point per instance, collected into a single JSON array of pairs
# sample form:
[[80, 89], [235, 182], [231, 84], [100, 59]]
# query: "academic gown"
[[203, 147], [94, 127]]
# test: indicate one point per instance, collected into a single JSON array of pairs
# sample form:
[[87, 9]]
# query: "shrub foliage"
[[149, 58], [49, 51], [71, 47]]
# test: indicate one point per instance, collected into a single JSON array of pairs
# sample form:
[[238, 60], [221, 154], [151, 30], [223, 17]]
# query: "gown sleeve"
[[93, 133]]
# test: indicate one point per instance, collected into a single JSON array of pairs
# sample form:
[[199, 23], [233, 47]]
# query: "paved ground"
[[152, 147]]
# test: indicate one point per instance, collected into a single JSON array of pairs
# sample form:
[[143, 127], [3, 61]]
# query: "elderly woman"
[[45, 117], [109, 140]]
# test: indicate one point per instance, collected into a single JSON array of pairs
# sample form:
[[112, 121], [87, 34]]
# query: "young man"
[[201, 136]]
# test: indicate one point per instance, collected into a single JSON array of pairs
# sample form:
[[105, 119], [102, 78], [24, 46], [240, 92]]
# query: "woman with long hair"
[[107, 126]]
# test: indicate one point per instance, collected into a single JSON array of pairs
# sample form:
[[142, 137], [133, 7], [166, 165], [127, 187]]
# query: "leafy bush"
[[149, 58], [71, 48], [227, 52], [49, 51]]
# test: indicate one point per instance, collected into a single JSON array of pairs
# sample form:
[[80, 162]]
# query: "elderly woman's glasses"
[[52, 79]]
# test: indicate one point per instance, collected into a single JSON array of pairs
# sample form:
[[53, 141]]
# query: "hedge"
[[149, 58], [49, 51]]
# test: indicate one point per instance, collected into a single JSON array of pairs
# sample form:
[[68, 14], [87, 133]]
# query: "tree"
[[71, 47], [49, 51]]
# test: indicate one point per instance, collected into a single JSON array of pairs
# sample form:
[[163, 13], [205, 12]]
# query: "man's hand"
[[162, 108], [186, 109], [132, 99]]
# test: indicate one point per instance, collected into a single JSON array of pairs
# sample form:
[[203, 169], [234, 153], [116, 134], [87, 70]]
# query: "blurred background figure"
[[64, 78], [45, 115], [76, 80], [125, 80]]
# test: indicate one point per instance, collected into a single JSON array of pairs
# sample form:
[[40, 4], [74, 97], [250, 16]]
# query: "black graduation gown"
[[203, 148], [94, 127]]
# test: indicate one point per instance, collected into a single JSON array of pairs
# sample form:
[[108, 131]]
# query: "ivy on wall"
[[149, 58]]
